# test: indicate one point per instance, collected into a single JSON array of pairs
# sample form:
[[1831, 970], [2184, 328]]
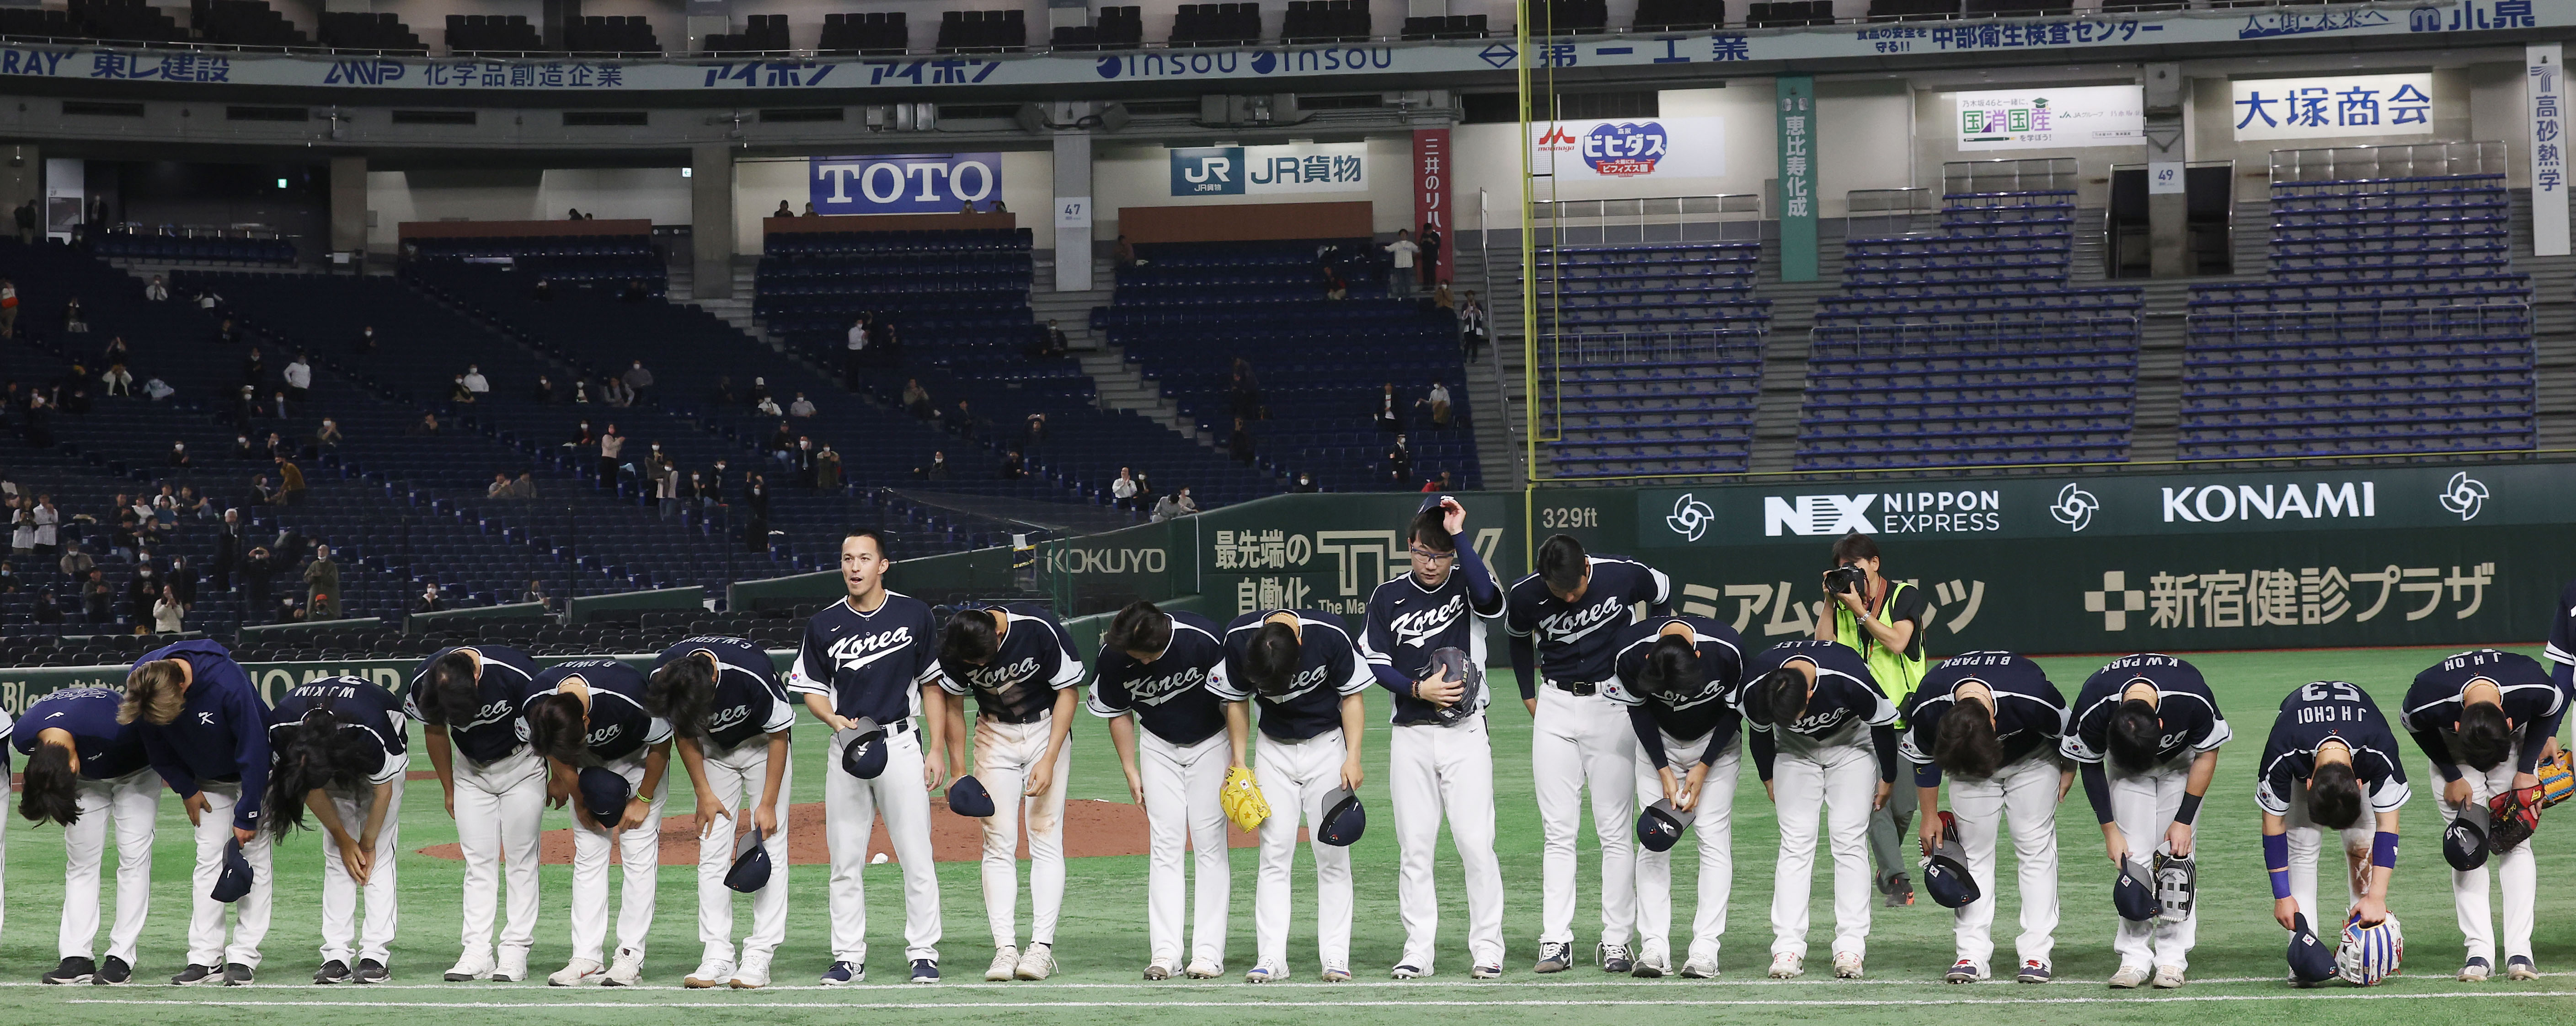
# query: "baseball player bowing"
[[1991, 722], [206, 732], [584, 714], [467, 700], [341, 752], [2330, 765], [89, 772], [1678, 676], [1438, 759], [1153, 670], [729, 719], [869, 657], [1019, 664], [2144, 734], [1301, 670], [1564, 623], [2482, 718], [1824, 745]]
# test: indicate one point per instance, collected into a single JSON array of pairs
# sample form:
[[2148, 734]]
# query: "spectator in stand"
[[26, 215], [537, 593], [580, 391], [277, 447], [1389, 416], [119, 381], [1430, 262], [98, 601], [1052, 342], [916, 399], [768, 407], [76, 565], [299, 378], [1305, 484], [458, 392], [611, 446], [1471, 327], [327, 437], [243, 449], [475, 381], [582, 439], [1334, 286], [169, 615], [1400, 278], [572, 213], [802, 407], [1399, 462], [22, 525], [209, 300], [783, 210], [228, 551], [142, 592], [666, 484], [755, 504], [1243, 391], [428, 425], [367, 339], [48, 526], [525, 487], [1239, 443], [638, 381], [322, 586], [1035, 432], [277, 402], [759, 391], [782, 445], [545, 391], [805, 461], [259, 575], [1013, 466], [938, 469], [49, 611], [963, 421], [1123, 490], [1441, 299], [261, 492], [499, 488], [1177, 504], [8, 308], [1438, 403], [156, 290], [617, 392], [1439, 486], [543, 292], [178, 456], [182, 581], [157, 389], [246, 411], [827, 471], [1125, 253], [431, 601], [857, 347], [254, 369], [193, 504], [115, 351]]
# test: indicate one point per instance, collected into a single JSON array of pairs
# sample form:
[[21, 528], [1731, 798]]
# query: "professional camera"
[[1843, 579]]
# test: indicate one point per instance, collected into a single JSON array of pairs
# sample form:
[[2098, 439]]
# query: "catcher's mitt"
[[2514, 814], [1242, 799], [2557, 780]]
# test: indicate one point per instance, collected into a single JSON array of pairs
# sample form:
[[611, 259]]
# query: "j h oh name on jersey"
[[1416, 627]]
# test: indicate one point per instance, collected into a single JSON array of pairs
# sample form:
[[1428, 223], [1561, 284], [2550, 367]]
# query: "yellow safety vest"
[[1897, 672]]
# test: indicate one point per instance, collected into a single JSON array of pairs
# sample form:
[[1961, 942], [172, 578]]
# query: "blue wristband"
[[2276, 861], [2383, 850]]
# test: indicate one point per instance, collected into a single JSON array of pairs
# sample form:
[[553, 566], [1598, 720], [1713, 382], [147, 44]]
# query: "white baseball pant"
[[1434, 771], [2514, 869], [736, 776], [1574, 742], [1835, 782], [639, 855], [206, 944], [500, 814], [1182, 809], [2026, 793], [850, 810], [1295, 776], [340, 890], [1715, 826], [2307, 840], [131, 803], [2143, 805], [1004, 755]]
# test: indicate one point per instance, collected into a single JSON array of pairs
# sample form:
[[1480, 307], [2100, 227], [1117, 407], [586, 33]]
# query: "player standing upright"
[[2144, 734], [729, 720], [2330, 766], [1678, 676], [1301, 669], [88, 772], [342, 749], [584, 715], [1991, 720], [1438, 759], [1154, 668], [870, 656], [1019, 664], [467, 699], [2482, 718], [1564, 622], [207, 734], [1820, 728]]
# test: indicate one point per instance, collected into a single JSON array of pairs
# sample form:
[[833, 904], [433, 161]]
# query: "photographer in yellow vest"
[[1883, 621]]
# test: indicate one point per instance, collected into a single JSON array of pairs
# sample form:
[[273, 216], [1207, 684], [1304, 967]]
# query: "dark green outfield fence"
[[2060, 563]]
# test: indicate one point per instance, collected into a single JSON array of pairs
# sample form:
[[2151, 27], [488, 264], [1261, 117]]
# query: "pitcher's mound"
[[1091, 828]]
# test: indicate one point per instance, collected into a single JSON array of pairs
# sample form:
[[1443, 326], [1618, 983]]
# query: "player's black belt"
[[1017, 721], [1579, 689]]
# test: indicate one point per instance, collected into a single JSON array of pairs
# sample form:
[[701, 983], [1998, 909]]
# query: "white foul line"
[[2297, 995]]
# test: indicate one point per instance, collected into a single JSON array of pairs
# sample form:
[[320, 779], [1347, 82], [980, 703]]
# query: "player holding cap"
[[1300, 668], [590, 713], [467, 699], [729, 718], [1991, 721], [206, 732], [2482, 718], [2144, 734], [1438, 759], [1564, 623], [870, 656], [341, 751], [87, 772], [1019, 664], [1154, 669], [1820, 723], [1678, 676], [2330, 755]]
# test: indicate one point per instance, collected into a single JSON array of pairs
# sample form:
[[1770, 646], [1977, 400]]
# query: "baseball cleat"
[[1614, 958], [1159, 971], [1486, 972], [513, 967], [75, 969], [2034, 971], [1406, 972], [2519, 967], [1847, 965], [1787, 966], [113, 973], [2130, 977], [844, 973], [473, 965], [1653, 962], [333, 971], [1554, 958], [626, 969], [1005, 962], [1264, 974], [1961, 971], [709, 973], [754, 973], [1037, 963], [237, 974], [1205, 970], [1700, 967], [2476, 971], [1900, 891], [372, 971], [2168, 977], [1337, 974], [575, 973], [925, 970], [195, 974]]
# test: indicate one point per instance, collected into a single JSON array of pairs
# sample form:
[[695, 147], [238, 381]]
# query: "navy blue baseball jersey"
[[357, 704], [1407, 622], [2532, 703], [501, 680], [1170, 695], [1708, 711], [1036, 660], [619, 727], [870, 664], [2183, 704], [1329, 668], [221, 733], [1846, 696], [2561, 649], [1577, 641], [2313, 713], [2030, 714], [750, 703], [107, 749]]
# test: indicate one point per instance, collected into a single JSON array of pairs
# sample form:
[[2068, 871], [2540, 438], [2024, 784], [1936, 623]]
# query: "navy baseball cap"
[[2135, 892], [2310, 960], [1660, 826], [1344, 819], [604, 793], [2464, 842], [235, 879], [864, 756], [1945, 872], [750, 870], [968, 798]]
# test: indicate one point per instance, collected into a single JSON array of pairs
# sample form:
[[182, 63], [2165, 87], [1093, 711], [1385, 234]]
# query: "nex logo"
[[1817, 514]]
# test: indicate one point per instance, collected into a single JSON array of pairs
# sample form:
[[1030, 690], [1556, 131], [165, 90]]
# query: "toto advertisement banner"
[[915, 183], [1630, 148], [2030, 119]]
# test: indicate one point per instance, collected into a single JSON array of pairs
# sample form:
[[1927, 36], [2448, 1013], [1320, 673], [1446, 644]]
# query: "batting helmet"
[[1344, 819], [604, 792]]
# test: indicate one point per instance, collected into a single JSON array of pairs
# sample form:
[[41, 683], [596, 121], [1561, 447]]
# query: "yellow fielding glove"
[[1242, 799]]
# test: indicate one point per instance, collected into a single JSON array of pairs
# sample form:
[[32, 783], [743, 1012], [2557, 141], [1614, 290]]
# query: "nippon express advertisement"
[[1630, 148]]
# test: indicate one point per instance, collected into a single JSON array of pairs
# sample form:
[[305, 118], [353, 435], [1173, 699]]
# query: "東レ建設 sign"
[[2333, 107], [2028, 119], [914, 183]]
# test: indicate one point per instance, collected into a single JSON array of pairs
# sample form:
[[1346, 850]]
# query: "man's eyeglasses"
[[1423, 555]]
